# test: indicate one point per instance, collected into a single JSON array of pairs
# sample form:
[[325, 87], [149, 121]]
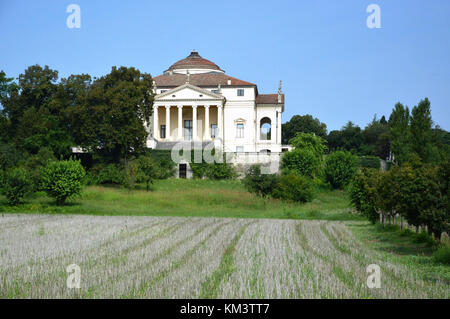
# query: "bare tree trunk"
[[417, 229], [401, 222]]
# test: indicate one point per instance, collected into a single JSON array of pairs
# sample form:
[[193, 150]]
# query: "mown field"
[[178, 257]]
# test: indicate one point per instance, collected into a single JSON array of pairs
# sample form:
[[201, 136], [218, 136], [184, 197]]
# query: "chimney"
[[229, 81]]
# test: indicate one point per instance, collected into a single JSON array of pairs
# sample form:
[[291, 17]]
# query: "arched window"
[[265, 126]]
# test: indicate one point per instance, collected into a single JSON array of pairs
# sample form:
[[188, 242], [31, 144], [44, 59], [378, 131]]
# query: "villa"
[[196, 101]]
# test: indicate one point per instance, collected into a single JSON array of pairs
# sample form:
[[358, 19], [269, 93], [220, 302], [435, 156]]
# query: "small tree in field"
[[16, 183], [62, 179], [149, 170]]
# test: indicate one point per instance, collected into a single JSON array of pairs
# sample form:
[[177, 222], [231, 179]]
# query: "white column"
[[273, 130], [155, 121], [194, 122], [168, 122], [207, 131], [279, 128], [180, 122], [258, 130], [220, 121]]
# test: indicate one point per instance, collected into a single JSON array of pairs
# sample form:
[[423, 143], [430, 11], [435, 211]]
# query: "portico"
[[188, 113], [187, 122]]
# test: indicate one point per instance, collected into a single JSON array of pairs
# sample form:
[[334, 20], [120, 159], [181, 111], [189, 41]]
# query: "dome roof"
[[194, 61]]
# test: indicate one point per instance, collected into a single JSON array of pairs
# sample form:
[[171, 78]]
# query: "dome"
[[195, 64]]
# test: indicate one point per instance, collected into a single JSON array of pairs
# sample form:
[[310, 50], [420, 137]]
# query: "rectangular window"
[[240, 130], [239, 149], [187, 130], [215, 91], [162, 91], [163, 131], [240, 92], [214, 131]]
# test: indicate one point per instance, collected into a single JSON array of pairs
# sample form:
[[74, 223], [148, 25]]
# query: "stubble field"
[[177, 257]]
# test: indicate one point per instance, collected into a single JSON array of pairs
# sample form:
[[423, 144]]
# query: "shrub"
[[260, 184], [302, 161], [294, 187], [340, 167], [111, 174], [16, 183], [220, 171], [369, 162], [442, 255], [423, 238], [62, 179]]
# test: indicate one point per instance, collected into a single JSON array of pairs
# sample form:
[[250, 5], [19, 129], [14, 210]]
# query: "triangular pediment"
[[188, 92]]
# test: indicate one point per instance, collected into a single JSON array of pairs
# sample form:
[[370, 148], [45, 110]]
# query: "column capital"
[[194, 106], [180, 106], [167, 106], [206, 106]]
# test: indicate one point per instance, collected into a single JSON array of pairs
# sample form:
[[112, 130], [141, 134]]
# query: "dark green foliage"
[[294, 187], [9, 156], [111, 123], [340, 167], [363, 193], [369, 162], [349, 138], [302, 124], [15, 184], [421, 131], [62, 179], [442, 255], [35, 163], [109, 174], [260, 184]]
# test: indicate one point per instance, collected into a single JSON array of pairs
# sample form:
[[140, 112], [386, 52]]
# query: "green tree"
[[303, 161], [15, 185], [400, 133], [376, 139], [149, 170], [340, 167], [421, 131], [117, 105], [302, 124], [309, 141], [62, 179], [363, 193], [349, 138]]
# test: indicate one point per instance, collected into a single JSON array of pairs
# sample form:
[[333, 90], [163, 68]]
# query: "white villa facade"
[[196, 101]]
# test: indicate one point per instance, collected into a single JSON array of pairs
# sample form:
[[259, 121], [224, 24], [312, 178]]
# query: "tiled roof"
[[211, 79], [194, 61], [269, 99]]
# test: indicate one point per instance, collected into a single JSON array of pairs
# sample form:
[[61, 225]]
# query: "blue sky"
[[331, 64]]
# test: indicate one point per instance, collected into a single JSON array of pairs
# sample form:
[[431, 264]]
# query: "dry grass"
[[174, 257]]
